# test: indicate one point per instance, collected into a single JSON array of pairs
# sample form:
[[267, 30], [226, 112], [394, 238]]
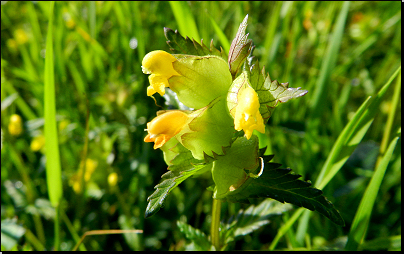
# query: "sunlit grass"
[[341, 52]]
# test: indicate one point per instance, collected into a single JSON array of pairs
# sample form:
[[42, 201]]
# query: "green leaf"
[[283, 186], [182, 166], [199, 240], [202, 79], [181, 45], [251, 219]]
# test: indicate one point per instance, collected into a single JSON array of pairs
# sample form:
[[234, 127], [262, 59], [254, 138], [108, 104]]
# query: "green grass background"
[[341, 53]]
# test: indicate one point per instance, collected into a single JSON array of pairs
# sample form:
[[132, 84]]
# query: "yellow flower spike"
[[159, 64], [247, 116], [165, 126]]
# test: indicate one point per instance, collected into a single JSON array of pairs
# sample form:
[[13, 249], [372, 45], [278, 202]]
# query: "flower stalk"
[[215, 225]]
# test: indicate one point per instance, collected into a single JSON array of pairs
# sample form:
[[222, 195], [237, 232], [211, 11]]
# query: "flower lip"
[[165, 126], [145, 70]]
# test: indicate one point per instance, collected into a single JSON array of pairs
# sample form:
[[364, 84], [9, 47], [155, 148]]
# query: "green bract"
[[202, 79], [228, 100]]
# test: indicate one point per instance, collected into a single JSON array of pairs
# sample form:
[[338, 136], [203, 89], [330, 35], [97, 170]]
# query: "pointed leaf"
[[283, 186]]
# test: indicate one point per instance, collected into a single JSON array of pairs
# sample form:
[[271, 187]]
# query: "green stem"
[[39, 228], [33, 240], [214, 227], [71, 229]]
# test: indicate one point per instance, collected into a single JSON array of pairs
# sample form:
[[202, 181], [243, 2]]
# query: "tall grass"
[[91, 88]]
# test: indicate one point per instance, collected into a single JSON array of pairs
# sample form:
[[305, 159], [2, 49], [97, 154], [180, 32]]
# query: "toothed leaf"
[[270, 92], [284, 186], [181, 45]]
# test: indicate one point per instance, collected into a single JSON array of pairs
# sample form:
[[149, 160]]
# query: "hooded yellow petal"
[[247, 116]]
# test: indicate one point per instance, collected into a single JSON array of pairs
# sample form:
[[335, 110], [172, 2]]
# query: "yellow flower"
[[75, 180], [37, 143], [112, 179], [165, 126], [247, 115], [159, 64], [20, 36], [15, 125]]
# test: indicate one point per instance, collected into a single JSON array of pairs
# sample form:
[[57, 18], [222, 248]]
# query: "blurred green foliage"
[[98, 48]]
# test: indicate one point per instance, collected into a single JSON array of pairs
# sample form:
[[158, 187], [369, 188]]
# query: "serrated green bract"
[[279, 184], [209, 132], [270, 92], [230, 171], [201, 79], [181, 45]]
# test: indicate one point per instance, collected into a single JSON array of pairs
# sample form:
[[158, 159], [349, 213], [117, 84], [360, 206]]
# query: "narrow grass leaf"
[[329, 61], [53, 170], [185, 20], [222, 37], [362, 216]]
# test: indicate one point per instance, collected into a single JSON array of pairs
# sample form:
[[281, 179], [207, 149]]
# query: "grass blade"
[[222, 37], [53, 170], [329, 61], [362, 216], [185, 20]]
